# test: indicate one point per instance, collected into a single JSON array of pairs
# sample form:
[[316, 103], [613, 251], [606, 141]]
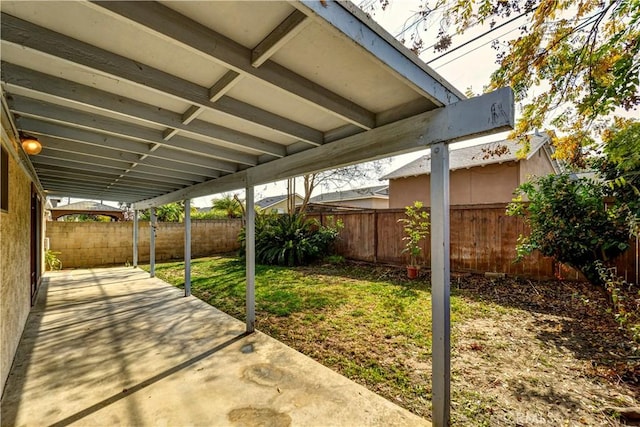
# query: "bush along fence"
[[91, 244], [483, 239]]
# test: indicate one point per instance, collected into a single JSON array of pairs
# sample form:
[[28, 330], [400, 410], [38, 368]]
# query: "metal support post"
[[135, 239], [250, 242], [440, 280], [152, 242], [187, 247]]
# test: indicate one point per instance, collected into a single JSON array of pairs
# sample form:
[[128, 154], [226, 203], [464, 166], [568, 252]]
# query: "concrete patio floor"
[[111, 346]]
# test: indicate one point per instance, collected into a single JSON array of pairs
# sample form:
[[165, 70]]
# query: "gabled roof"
[[378, 191], [86, 206], [477, 155], [270, 201]]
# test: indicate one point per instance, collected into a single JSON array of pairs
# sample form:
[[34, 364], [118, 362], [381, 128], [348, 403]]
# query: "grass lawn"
[[523, 353]]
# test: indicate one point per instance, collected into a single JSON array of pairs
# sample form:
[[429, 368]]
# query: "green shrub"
[[291, 239], [570, 222], [52, 261]]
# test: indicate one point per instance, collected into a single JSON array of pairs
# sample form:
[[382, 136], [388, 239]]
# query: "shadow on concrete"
[[129, 391]]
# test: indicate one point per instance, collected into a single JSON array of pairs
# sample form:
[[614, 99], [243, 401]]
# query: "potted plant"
[[416, 229]]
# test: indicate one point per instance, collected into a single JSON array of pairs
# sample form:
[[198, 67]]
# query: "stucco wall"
[[479, 185], [15, 291], [90, 244], [538, 165], [366, 203]]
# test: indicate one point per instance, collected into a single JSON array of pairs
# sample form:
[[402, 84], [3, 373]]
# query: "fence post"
[[375, 236]]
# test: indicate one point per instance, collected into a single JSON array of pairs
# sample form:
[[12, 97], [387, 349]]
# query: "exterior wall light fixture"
[[30, 145]]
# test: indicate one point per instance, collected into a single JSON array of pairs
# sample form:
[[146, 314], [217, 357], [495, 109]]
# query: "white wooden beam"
[[223, 85], [348, 21], [490, 113], [147, 171], [136, 136], [26, 34], [117, 148], [23, 81], [179, 28], [285, 31]]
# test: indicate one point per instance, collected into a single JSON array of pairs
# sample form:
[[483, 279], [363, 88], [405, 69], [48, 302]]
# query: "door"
[[36, 242]]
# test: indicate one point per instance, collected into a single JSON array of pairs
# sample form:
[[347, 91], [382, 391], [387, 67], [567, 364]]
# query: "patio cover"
[[154, 102]]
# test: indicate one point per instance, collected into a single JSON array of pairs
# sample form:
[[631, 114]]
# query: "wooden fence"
[[483, 239]]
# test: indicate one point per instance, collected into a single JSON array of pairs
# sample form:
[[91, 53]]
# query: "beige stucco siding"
[[538, 165], [365, 203], [404, 191], [480, 185], [15, 298]]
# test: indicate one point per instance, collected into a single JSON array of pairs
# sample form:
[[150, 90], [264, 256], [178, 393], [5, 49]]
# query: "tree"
[[338, 178], [581, 57], [619, 167], [230, 205], [171, 212], [570, 222]]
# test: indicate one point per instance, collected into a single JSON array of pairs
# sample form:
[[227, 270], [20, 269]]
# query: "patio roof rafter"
[[177, 27], [27, 34], [120, 146], [24, 80], [26, 107]]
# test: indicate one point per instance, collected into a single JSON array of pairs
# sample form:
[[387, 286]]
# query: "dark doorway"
[[36, 242]]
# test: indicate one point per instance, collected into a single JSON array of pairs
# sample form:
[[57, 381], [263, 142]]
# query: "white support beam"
[[440, 282], [191, 114], [126, 136], [223, 85], [285, 31], [187, 247], [179, 28], [341, 16], [29, 83], [250, 254], [121, 149], [153, 224], [490, 113], [26, 34], [135, 239], [142, 171]]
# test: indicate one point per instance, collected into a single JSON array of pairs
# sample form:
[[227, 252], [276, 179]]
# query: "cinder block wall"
[[91, 244]]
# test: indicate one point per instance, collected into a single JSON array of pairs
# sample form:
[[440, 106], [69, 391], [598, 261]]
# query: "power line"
[[474, 49], [480, 36]]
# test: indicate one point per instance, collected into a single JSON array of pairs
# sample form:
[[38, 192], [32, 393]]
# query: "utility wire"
[[480, 36], [474, 49]]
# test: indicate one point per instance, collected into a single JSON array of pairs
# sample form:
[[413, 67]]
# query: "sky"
[[468, 67]]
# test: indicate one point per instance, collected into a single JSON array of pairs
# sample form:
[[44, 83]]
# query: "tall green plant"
[[569, 222], [416, 228], [291, 239]]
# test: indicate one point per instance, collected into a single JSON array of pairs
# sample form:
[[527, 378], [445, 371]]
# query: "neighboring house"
[[87, 208], [376, 197], [277, 204], [481, 174]]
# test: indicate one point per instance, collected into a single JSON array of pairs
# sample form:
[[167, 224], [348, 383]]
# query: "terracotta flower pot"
[[412, 271]]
